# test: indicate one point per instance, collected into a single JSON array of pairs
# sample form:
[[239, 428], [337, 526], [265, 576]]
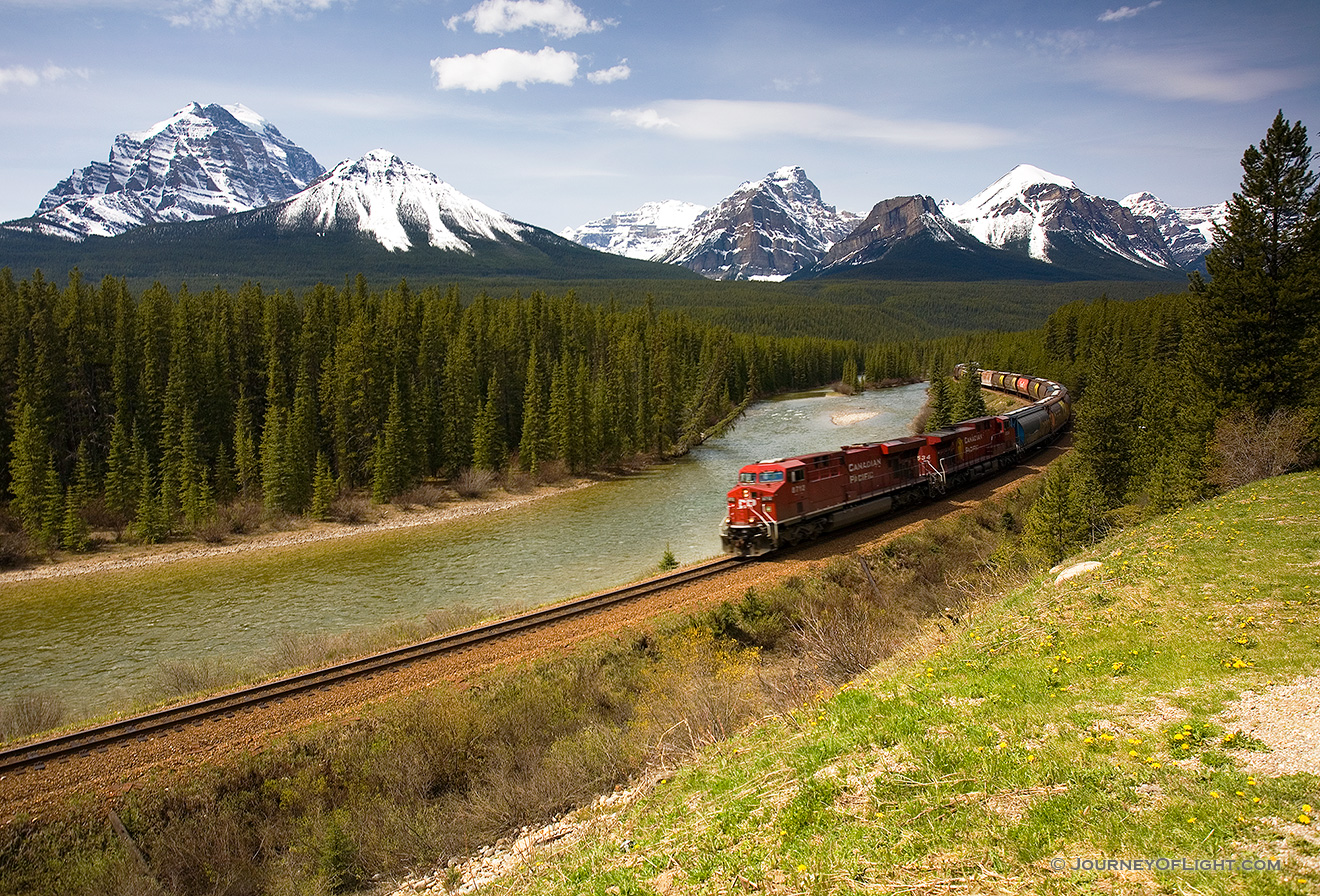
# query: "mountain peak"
[[383, 196], [201, 162], [645, 233], [766, 229]]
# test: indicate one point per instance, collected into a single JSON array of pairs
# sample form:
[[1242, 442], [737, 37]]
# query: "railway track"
[[35, 755]]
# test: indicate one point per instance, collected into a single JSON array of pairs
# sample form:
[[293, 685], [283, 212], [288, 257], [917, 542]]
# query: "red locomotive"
[[789, 500]]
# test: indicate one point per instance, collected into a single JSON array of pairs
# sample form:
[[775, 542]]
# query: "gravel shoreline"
[[146, 556]]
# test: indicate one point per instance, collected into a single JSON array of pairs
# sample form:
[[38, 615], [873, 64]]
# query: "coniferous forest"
[[151, 411]]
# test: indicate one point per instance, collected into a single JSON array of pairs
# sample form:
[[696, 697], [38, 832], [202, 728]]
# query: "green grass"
[[1078, 725]]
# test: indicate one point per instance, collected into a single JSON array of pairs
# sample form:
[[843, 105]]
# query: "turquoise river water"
[[102, 639]]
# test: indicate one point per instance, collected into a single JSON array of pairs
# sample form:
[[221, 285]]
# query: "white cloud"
[[646, 119], [22, 76], [495, 68], [1165, 77], [618, 72], [219, 13], [748, 120], [1126, 12], [556, 17]]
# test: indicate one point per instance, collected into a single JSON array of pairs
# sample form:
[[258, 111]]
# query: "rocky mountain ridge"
[[206, 162], [645, 233], [201, 162], [767, 229]]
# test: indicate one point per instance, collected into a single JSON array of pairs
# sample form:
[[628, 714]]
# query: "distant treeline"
[[154, 409]]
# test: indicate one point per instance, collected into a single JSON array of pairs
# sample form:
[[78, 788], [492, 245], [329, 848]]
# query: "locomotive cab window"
[[746, 477], [772, 476], [797, 475]]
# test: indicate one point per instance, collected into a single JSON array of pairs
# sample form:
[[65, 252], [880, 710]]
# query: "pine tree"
[[488, 441], [533, 448], [941, 404], [324, 488], [1261, 306], [152, 523], [390, 472], [247, 467], [1051, 530], [74, 532], [120, 476], [273, 474], [970, 403], [29, 464]]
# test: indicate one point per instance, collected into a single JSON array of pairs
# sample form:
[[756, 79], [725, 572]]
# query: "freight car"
[[789, 500]]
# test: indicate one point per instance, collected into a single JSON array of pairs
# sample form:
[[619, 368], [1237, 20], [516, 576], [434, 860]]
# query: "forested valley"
[[163, 412]]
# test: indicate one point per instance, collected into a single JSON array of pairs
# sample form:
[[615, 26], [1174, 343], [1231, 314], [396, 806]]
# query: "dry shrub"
[[353, 509], [844, 634], [294, 650], [31, 713], [210, 849], [517, 482], [179, 677], [16, 549], [700, 689], [473, 482], [239, 517], [425, 494], [1246, 447], [449, 619], [552, 471], [100, 518]]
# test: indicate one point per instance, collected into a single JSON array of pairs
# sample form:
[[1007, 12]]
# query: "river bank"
[[300, 531]]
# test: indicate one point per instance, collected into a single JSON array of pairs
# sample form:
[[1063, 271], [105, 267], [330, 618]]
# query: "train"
[[785, 501]]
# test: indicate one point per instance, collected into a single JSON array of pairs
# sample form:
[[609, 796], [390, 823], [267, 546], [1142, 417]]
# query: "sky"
[[558, 112]]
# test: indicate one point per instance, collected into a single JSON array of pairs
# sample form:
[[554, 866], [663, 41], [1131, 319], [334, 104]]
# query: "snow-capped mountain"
[[1190, 232], [647, 232], [909, 238], [379, 216], [386, 198], [765, 230], [200, 162], [1048, 218]]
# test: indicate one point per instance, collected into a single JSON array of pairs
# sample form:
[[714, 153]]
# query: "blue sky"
[[560, 111]]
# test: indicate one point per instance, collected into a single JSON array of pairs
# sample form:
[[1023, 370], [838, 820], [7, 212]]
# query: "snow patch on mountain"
[[385, 197], [644, 233], [1034, 211], [1190, 232], [766, 229], [201, 162]]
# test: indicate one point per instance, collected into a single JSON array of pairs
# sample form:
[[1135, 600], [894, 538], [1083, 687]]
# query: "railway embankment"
[[1146, 722]]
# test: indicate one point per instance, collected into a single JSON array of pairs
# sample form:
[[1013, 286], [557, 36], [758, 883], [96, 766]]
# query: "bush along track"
[[1147, 725]]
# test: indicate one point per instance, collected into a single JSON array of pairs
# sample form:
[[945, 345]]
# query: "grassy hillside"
[[1054, 741]]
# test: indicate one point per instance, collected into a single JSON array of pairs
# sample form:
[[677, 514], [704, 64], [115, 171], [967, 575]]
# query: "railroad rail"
[[34, 755]]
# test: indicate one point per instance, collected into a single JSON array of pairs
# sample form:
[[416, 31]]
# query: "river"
[[102, 640]]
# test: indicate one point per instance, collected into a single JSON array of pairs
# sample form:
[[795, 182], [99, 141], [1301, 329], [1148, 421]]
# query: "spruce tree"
[[941, 404], [29, 463], [1259, 313], [324, 488], [390, 468], [970, 403], [533, 448], [273, 475], [488, 441]]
